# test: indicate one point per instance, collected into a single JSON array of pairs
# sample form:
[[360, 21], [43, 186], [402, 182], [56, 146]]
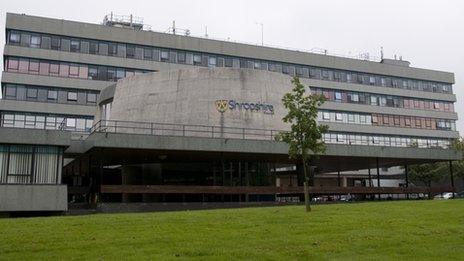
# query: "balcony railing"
[[208, 131]]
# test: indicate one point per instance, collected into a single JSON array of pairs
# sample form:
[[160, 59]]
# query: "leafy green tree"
[[427, 173], [305, 135], [458, 166]]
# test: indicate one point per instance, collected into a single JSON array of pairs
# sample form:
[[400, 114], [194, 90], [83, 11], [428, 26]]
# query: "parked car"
[[445, 195]]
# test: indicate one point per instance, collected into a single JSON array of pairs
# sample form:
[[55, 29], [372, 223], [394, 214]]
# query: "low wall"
[[22, 197]]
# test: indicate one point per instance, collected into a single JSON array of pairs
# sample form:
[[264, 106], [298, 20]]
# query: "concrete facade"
[[19, 197]]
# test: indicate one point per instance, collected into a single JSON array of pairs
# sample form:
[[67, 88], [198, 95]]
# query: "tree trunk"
[[306, 189], [429, 183]]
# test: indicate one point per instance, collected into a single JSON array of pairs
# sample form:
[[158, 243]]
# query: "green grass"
[[386, 230]]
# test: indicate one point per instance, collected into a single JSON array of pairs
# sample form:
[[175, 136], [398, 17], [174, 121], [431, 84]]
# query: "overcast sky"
[[429, 34]]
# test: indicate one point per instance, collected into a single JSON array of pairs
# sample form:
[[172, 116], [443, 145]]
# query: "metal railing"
[[208, 131], [183, 130]]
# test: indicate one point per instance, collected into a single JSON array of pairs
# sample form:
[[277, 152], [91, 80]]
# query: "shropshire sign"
[[224, 105]]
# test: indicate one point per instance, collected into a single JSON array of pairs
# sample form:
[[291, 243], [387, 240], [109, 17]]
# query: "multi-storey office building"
[[59, 76]]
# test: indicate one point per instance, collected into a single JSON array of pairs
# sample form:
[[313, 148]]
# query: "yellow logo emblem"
[[221, 105]]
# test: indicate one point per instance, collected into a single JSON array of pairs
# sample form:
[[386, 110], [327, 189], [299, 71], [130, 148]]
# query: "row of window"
[[203, 59], [45, 121], [49, 94], [383, 100], [387, 120], [383, 140], [65, 69]]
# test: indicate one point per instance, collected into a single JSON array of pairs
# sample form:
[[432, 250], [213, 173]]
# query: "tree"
[[305, 135], [427, 173]]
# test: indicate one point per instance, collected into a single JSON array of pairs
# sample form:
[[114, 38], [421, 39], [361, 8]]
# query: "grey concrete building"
[[142, 116]]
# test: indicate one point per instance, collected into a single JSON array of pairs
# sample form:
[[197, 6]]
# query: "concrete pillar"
[[344, 182]]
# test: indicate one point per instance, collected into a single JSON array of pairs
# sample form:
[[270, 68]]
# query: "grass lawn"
[[379, 230]]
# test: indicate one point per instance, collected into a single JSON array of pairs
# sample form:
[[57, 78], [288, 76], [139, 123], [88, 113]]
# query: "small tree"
[[305, 135], [427, 173]]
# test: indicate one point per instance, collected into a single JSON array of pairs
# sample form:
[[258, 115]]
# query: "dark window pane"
[[102, 73], [93, 72], [112, 49], [111, 74], [55, 43], [75, 45], [130, 51], [148, 53], [181, 57], [93, 47]]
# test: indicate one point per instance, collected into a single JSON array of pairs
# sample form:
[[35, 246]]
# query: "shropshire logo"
[[223, 105]]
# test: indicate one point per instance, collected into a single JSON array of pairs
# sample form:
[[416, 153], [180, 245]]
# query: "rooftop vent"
[[123, 21]]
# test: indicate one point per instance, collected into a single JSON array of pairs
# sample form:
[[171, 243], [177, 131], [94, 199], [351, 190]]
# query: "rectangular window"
[[93, 72], [10, 91], [93, 47], [338, 96], [91, 97], [55, 43], [73, 69], [375, 119], [31, 93], [354, 97], [130, 51], [362, 118], [34, 66], [72, 96], [75, 45], [15, 38], [120, 73], [228, 62], [112, 49], [54, 68], [212, 62], [164, 55], [338, 117], [196, 59], [407, 121], [52, 95], [147, 53], [385, 120], [35, 41], [13, 64], [373, 100], [181, 57], [351, 117], [326, 115], [436, 105]]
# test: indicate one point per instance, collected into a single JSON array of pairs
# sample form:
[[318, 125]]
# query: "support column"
[[406, 177], [378, 174], [451, 176], [338, 178], [345, 182]]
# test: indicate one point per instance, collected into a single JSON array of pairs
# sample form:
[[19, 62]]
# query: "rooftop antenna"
[[381, 52], [395, 56], [206, 31], [174, 27]]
